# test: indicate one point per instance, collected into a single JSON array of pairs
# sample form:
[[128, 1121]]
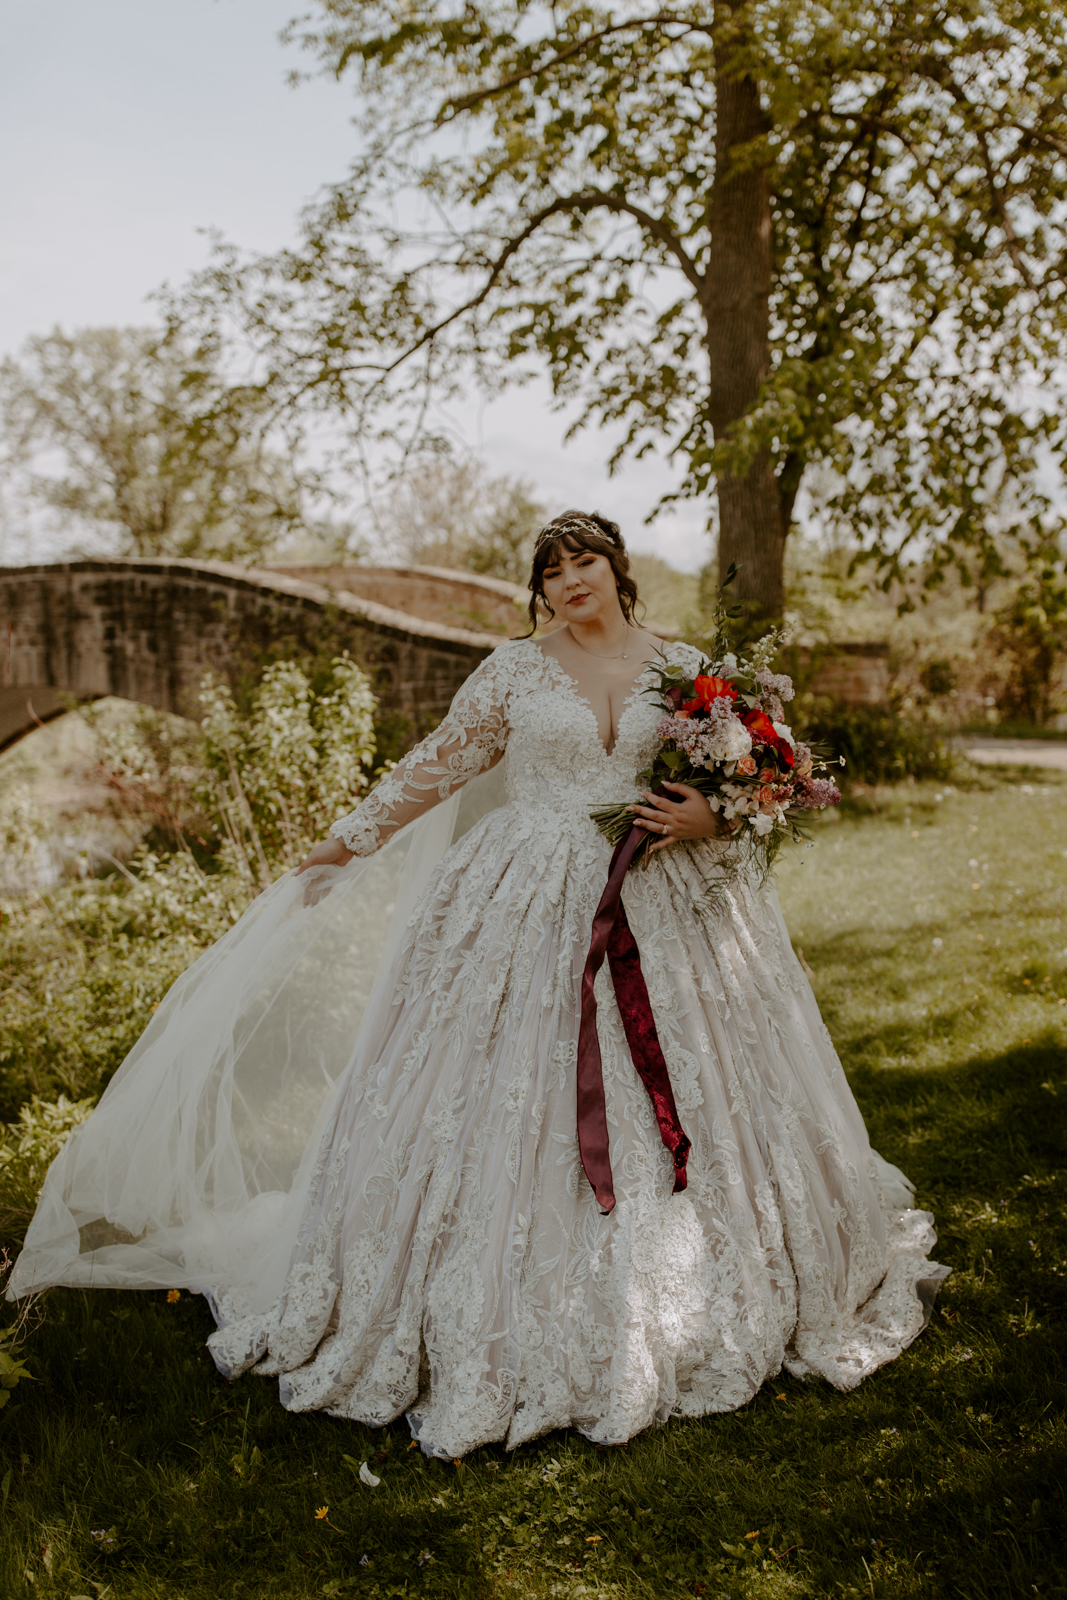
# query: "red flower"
[[761, 728], [709, 689]]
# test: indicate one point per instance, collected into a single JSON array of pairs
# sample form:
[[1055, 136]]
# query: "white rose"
[[733, 742], [762, 824], [740, 739]]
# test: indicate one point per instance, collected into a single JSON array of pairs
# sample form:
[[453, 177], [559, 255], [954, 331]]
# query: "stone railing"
[[436, 594], [148, 630]]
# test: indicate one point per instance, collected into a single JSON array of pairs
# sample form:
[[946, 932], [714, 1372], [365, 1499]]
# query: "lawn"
[[934, 923]]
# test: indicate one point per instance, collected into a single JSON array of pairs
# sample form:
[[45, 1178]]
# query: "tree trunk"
[[737, 308]]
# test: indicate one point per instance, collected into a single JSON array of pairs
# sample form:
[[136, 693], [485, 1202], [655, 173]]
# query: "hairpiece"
[[575, 524]]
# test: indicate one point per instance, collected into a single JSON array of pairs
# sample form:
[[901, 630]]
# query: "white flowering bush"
[[221, 810], [276, 780]]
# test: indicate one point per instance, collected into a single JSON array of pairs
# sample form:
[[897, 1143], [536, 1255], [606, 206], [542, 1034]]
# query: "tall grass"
[[131, 1469]]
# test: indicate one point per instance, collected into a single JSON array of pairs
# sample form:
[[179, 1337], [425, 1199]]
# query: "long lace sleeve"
[[470, 739]]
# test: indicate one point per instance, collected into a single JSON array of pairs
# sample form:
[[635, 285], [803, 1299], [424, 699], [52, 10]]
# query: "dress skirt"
[[453, 1264]]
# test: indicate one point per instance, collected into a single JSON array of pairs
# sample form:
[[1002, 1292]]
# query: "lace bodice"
[[520, 705]]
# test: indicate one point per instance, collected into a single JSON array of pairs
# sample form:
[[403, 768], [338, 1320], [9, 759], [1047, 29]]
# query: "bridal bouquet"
[[724, 732]]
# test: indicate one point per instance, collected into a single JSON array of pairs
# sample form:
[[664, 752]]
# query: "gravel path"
[[1017, 752]]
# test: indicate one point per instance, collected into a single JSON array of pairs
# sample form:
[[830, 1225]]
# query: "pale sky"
[[128, 126]]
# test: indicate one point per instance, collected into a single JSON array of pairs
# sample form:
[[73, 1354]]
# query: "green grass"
[[941, 1476]]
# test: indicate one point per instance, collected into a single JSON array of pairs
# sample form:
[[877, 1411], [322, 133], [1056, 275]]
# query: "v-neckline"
[[572, 684]]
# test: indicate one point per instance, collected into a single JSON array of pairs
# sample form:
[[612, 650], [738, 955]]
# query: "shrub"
[[27, 1149], [938, 677], [1030, 636], [87, 961], [879, 744]]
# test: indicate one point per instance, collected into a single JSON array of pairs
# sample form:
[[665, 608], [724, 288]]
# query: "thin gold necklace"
[[596, 655]]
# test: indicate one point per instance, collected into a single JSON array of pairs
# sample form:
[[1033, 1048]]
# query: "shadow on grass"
[[131, 1463], [972, 1127]]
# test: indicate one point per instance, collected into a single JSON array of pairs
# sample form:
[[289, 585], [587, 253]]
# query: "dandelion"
[[595, 1538], [322, 1513], [753, 1535], [173, 1295]]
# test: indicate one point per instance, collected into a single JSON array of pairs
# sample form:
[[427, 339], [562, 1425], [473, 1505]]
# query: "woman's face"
[[580, 587]]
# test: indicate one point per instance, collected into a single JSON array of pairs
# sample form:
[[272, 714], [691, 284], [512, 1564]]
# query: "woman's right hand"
[[331, 852]]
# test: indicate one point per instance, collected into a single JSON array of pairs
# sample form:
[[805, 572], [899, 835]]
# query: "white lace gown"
[[452, 1263]]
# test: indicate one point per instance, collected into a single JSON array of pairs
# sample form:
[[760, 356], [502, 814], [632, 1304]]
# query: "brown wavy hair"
[[574, 531]]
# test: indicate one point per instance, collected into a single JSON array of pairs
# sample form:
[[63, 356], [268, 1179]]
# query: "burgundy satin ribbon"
[[612, 937]]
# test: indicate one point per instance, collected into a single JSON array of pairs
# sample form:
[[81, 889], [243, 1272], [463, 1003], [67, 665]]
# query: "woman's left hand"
[[691, 817]]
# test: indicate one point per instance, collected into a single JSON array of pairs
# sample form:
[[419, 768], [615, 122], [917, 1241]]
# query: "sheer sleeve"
[[470, 739]]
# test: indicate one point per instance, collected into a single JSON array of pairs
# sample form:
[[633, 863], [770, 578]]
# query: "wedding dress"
[[408, 1229]]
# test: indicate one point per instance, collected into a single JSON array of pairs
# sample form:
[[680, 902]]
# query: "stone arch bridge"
[[148, 630]]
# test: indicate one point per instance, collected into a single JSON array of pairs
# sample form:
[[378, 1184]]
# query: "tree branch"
[[947, 79], [594, 201], [1001, 209], [468, 101]]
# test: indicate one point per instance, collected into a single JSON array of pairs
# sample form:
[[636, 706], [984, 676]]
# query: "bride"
[[352, 1123]]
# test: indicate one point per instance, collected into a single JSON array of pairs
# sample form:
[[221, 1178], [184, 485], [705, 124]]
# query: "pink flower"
[[746, 766]]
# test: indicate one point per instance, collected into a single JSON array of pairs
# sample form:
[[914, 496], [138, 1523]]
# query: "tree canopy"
[[128, 434], [761, 234], [453, 513]]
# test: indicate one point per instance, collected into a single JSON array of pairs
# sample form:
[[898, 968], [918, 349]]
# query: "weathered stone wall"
[[855, 674], [436, 594], [148, 630]]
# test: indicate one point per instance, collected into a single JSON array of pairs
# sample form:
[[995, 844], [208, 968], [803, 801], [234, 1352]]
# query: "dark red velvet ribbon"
[[612, 937]]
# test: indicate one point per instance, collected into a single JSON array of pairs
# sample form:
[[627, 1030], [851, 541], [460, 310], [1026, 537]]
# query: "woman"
[[439, 1252]]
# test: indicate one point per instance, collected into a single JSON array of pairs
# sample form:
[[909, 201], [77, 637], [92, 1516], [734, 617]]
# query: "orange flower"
[[172, 1295], [707, 690]]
